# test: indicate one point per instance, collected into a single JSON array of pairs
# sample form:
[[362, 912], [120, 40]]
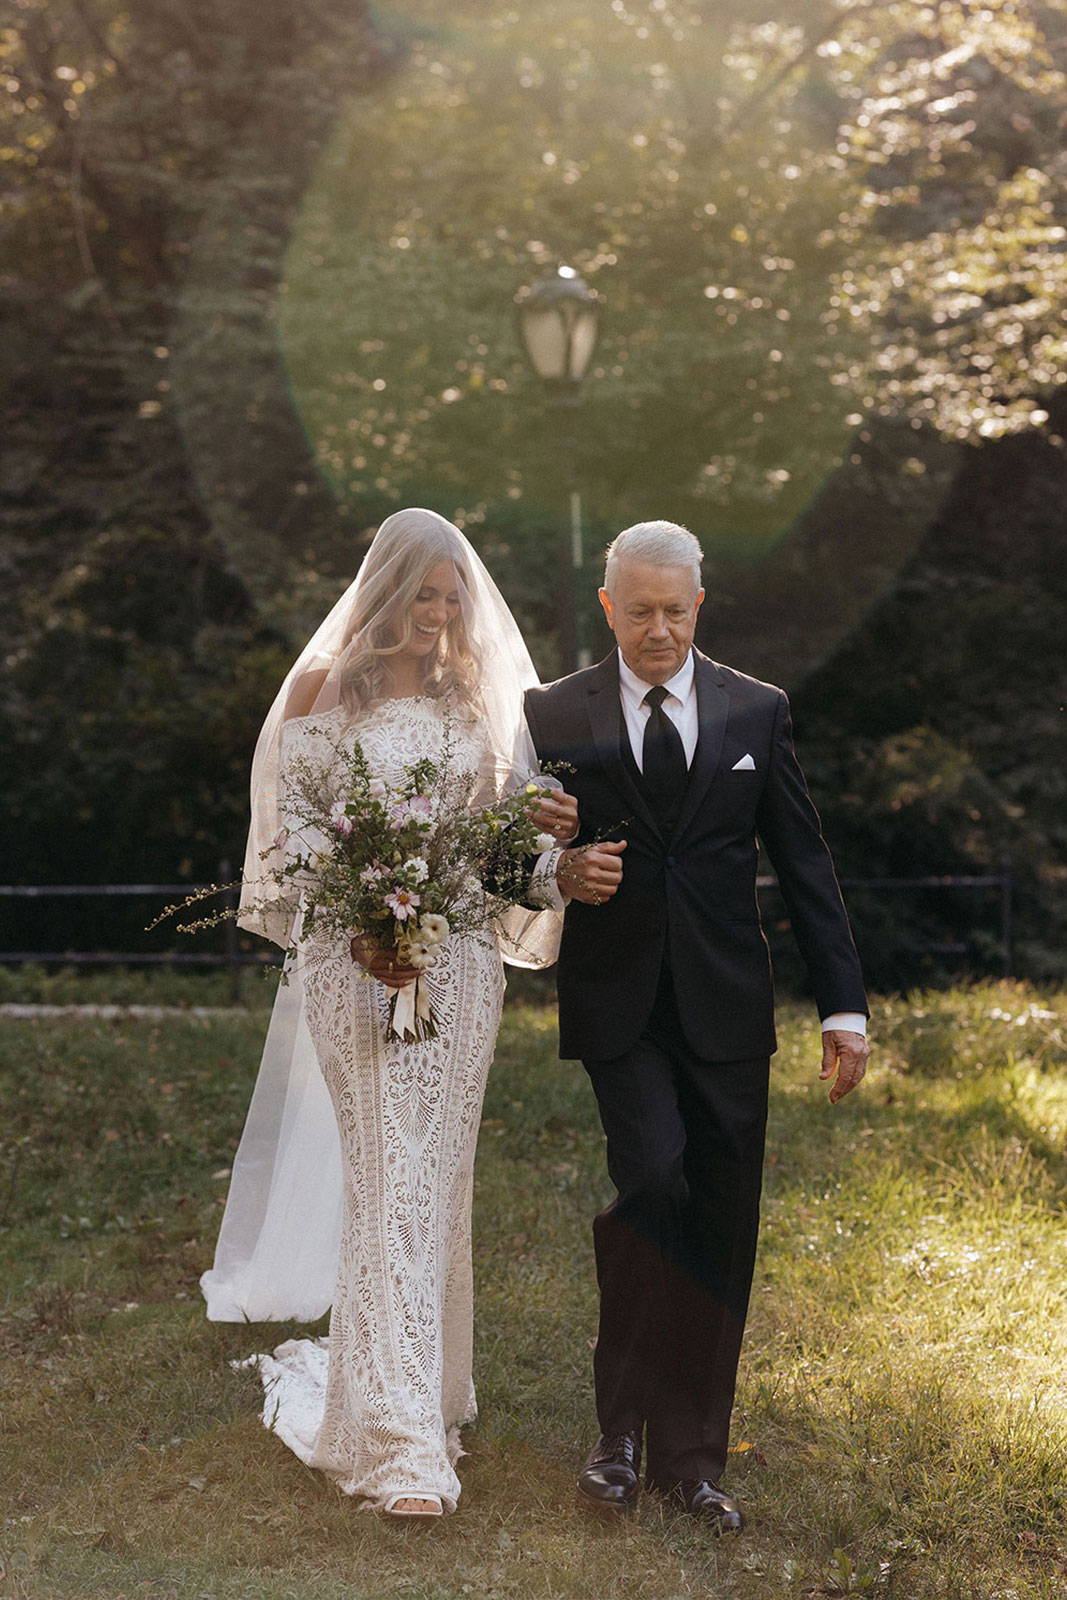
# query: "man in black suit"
[[665, 994]]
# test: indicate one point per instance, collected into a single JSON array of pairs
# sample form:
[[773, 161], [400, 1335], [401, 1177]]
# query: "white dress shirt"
[[680, 704]]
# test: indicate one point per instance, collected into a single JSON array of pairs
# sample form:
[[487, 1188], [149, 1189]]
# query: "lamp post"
[[559, 322]]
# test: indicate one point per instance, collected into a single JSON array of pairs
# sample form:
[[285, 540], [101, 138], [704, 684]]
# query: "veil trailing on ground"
[[277, 1250]]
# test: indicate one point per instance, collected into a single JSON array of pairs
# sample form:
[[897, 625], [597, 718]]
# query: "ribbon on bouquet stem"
[[412, 1014]]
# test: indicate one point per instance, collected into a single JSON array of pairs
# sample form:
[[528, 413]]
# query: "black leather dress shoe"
[[609, 1479], [703, 1499]]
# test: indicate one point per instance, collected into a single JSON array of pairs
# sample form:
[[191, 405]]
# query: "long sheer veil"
[[277, 1250]]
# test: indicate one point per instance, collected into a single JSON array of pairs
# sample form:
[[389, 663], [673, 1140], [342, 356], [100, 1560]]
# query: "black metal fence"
[[1002, 882], [235, 959], [231, 956]]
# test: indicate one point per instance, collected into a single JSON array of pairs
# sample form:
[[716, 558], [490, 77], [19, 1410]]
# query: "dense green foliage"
[[900, 1430], [257, 266]]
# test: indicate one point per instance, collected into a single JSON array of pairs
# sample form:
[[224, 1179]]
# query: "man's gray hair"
[[660, 544]]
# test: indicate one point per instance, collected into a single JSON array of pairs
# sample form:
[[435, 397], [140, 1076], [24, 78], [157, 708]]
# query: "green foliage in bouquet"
[[395, 860], [404, 864]]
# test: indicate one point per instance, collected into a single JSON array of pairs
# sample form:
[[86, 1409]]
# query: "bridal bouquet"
[[404, 864]]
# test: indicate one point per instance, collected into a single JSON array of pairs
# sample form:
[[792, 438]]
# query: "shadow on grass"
[[900, 1399]]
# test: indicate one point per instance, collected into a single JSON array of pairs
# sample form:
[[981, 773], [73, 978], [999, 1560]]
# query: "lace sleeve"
[[499, 776], [493, 777]]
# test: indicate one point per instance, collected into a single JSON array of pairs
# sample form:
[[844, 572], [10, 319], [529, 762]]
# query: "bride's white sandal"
[[407, 1504]]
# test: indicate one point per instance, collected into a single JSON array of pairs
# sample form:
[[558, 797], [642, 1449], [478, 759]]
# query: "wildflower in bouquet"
[[403, 867], [395, 870]]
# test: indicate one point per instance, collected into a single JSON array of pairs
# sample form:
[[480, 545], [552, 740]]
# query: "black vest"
[[668, 820]]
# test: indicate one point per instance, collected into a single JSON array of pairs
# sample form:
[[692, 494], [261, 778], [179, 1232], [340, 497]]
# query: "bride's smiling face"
[[434, 607]]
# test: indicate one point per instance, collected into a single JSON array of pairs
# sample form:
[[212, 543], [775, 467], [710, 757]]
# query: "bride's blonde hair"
[[381, 625]]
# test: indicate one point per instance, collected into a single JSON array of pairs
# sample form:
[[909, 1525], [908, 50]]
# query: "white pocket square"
[[746, 764]]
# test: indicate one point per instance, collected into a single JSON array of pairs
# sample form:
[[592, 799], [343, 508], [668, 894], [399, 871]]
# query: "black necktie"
[[663, 764]]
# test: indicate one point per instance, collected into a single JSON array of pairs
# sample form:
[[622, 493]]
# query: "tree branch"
[[831, 25], [98, 38]]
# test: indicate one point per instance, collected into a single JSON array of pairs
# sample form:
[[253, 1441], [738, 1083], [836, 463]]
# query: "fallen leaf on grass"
[[745, 1447]]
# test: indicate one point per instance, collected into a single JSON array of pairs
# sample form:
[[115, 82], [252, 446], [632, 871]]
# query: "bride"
[[351, 1187]]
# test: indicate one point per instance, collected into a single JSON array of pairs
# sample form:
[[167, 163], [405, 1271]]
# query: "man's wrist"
[[845, 1022]]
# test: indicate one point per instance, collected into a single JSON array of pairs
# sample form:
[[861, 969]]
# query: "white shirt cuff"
[[543, 885], [849, 1021]]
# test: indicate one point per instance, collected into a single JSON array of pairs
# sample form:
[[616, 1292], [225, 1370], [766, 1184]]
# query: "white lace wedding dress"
[[378, 1406]]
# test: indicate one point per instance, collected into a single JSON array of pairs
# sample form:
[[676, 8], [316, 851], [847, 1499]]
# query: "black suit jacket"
[[690, 899]]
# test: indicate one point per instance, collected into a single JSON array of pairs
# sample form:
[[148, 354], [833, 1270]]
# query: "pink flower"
[[340, 818], [279, 840], [376, 789], [372, 875], [418, 809], [402, 903]]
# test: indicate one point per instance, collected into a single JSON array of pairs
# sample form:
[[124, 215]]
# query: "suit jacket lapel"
[[606, 721], [713, 710]]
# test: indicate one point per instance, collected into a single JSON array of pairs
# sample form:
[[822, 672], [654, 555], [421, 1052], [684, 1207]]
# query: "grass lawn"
[[902, 1421]]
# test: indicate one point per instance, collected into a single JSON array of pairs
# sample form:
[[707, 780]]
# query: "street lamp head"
[[558, 321]]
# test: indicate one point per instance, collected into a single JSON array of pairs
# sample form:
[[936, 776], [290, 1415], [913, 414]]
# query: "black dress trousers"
[[675, 1250]]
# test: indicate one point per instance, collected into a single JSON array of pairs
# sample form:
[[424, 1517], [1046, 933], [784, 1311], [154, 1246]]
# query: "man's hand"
[[380, 963], [556, 813], [592, 873], [846, 1054]]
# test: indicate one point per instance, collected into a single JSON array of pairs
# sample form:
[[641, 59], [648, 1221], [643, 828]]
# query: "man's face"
[[652, 611]]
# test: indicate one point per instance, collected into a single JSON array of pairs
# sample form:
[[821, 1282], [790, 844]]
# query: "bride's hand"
[[380, 963], [556, 813]]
